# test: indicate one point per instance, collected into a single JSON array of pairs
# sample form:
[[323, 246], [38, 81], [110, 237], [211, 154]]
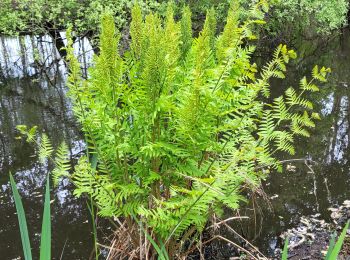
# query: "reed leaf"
[[162, 254], [285, 250], [45, 243], [21, 220], [161, 251], [339, 244], [331, 245]]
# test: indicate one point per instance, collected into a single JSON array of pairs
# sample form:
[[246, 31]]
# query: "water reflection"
[[33, 92], [325, 180], [31, 55]]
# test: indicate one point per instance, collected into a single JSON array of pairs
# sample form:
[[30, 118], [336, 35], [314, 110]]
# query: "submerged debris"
[[310, 238], [305, 231], [341, 215]]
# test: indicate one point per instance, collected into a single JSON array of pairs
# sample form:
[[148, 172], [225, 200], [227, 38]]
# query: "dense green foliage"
[[178, 127], [36, 16], [308, 16], [287, 17]]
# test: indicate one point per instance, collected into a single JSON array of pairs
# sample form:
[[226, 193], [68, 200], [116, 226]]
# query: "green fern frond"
[[299, 130], [267, 126], [172, 36], [136, 31], [45, 149], [232, 33], [211, 23], [83, 178], [284, 142], [280, 109], [320, 74], [30, 134], [186, 31], [62, 163]]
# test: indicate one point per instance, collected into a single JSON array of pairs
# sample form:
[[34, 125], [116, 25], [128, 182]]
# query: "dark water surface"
[[33, 92], [303, 190], [32, 98]]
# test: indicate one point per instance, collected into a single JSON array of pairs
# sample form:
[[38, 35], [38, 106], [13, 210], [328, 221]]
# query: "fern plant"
[[178, 127]]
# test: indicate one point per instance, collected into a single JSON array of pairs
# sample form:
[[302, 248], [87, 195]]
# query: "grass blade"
[[331, 246], [162, 254], [339, 244], [21, 220], [285, 250], [93, 222], [163, 250], [45, 243]]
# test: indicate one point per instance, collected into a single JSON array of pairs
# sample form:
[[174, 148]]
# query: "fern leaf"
[[45, 149], [62, 163]]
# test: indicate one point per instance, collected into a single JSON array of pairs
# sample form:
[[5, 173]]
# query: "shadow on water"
[[33, 92]]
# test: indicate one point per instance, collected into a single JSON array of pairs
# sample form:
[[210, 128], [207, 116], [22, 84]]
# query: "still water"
[[30, 97], [309, 190], [33, 92]]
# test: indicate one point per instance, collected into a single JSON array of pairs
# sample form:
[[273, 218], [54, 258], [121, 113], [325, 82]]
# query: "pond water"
[[30, 97], [33, 92], [306, 190]]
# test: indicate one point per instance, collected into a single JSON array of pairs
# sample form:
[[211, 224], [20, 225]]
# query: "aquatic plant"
[[178, 127], [45, 241]]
